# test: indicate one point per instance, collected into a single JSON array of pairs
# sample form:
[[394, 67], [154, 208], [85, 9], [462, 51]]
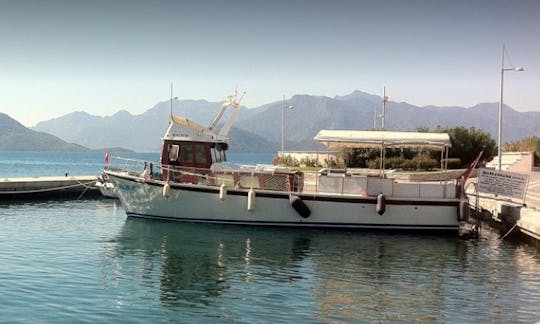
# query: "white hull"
[[107, 189], [200, 203], [108, 192]]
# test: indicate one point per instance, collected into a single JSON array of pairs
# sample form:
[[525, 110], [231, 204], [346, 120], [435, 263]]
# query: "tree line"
[[466, 145]]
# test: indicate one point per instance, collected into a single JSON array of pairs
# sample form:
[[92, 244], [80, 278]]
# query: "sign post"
[[502, 183]]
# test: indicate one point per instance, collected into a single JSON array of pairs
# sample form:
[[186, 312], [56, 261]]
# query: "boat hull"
[[108, 191], [199, 203]]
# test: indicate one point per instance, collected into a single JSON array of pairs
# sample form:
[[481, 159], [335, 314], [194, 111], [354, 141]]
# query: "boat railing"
[[371, 185], [241, 177], [132, 166], [264, 177], [278, 179]]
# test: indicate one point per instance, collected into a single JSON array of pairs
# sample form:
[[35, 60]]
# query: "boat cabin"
[[192, 153], [200, 155], [190, 147]]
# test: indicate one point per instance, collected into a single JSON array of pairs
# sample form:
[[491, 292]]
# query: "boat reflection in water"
[[199, 261], [249, 273]]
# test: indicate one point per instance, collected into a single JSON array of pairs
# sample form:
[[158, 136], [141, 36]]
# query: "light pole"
[[283, 124], [384, 101], [499, 136]]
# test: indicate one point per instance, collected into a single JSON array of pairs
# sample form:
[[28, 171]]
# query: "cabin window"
[[173, 153], [218, 156], [200, 153], [187, 154], [218, 152]]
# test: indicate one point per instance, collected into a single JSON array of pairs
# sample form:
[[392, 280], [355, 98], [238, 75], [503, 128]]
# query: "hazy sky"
[[102, 56]]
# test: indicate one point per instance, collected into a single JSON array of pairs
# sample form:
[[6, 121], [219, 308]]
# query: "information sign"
[[503, 183]]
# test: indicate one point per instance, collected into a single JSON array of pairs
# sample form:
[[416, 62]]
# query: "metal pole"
[[170, 102], [375, 118], [384, 100], [383, 107], [499, 136], [282, 124]]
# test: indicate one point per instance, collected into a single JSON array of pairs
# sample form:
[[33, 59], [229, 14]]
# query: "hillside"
[[142, 133], [259, 129], [357, 111], [15, 137]]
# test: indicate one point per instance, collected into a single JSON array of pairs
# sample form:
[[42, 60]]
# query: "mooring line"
[[502, 238]]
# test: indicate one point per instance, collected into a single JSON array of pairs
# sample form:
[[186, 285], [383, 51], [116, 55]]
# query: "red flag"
[[106, 158], [471, 167]]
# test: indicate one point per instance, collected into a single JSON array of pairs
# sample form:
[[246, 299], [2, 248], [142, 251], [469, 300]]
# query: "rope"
[[82, 193], [502, 238], [83, 184]]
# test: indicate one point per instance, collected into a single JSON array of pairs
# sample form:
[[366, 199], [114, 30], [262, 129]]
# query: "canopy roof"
[[183, 129], [359, 139]]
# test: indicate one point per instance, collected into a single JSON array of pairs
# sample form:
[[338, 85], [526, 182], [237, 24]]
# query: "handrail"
[[342, 185]]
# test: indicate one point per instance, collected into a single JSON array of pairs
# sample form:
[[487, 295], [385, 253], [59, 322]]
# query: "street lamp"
[[283, 124], [499, 137]]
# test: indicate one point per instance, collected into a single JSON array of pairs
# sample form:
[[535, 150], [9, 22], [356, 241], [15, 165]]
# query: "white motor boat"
[[195, 184]]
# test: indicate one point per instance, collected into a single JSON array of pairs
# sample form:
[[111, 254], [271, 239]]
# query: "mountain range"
[[259, 129], [15, 137]]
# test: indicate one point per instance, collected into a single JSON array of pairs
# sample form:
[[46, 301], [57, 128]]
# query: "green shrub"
[[425, 162], [374, 164], [287, 160], [331, 162], [309, 162], [394, 162], [454, 163], [408, 165]]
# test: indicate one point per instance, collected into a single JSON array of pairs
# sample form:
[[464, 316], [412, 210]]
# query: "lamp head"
[[519, 69]]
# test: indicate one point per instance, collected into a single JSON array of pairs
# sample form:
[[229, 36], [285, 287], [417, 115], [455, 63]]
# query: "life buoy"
[[300, 206]]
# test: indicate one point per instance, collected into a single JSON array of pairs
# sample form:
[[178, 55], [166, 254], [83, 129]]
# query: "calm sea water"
[[29, 164], [85, 261]]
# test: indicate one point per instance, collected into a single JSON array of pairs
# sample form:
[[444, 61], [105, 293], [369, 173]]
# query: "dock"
[[48, 187], [513, 218]]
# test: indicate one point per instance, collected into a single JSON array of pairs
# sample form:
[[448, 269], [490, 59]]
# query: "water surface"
[[73, 261], [84, 261]]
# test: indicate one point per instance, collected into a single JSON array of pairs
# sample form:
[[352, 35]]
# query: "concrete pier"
[[513, 217], [47, 187]]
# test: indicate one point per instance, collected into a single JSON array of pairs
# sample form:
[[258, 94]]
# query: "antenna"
[[170, 102]]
